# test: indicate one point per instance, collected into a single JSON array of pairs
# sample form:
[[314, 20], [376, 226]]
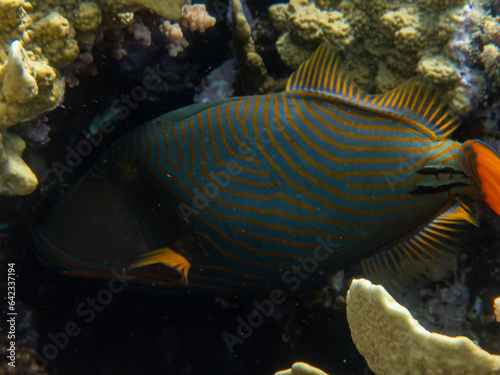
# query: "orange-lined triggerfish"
[[274, 190]]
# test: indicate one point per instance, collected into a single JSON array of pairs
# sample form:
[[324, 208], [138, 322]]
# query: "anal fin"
[[422, 257], [167, 257]]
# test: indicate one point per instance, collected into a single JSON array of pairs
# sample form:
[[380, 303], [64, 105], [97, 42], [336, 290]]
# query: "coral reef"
[[252, 71], [385, 43], [392, 342], [43, 39], [28, 87]]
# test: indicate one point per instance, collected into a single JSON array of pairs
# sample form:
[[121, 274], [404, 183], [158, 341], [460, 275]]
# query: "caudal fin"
[[487, 169]]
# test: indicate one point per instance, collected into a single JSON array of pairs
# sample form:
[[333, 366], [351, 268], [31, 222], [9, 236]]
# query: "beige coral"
[[195, 17], [496, 306], [28, 87], [171, 9], [176, 41], [311, 24], [10, 14], [393, 343], [386, 34], [54, 38], [87, 16], [491, 30], [252, 72], [15, 176], [439, 69], [301, 368], [491, 60]]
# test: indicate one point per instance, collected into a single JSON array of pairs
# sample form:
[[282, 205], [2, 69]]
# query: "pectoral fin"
[[167, 257]]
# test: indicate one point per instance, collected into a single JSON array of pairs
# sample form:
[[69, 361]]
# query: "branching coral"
[[194, 17], [176, 40]]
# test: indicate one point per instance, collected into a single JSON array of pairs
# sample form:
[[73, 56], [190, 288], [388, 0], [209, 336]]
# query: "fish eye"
[[124, 171]]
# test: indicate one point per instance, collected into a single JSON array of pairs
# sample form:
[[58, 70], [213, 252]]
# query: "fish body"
[[270, 191]]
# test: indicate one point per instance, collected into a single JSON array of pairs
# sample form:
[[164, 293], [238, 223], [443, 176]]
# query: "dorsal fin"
[[188, 111], [416, 102]]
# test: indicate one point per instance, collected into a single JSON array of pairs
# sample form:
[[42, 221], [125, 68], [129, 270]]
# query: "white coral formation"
[[176, 40], [393, 343], [194, 18]]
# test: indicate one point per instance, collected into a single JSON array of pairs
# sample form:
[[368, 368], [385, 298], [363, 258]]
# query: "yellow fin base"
[[167, 257]]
